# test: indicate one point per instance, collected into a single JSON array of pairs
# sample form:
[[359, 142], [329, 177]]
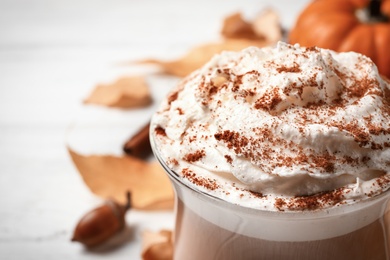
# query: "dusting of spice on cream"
[[306, 128]]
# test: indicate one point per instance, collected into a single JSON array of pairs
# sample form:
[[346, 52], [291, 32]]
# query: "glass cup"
[[208, 227]]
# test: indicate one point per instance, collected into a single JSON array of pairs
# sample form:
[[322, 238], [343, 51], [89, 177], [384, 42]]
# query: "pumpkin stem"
[[374, 12], [128, 201]]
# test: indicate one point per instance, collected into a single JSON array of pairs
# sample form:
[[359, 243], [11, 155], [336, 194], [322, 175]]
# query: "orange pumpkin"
[[347, 25]]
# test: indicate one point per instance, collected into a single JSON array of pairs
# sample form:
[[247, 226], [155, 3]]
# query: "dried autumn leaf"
[[127, 92], [234, 26], [198, 56], [267, 24], [157, 246], [110, 177]]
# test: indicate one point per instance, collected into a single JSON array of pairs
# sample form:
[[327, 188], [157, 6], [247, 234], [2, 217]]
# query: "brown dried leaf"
[[267, 24], [127, 92], [198, 56], [157, 246], [234, 26], [110, 177]]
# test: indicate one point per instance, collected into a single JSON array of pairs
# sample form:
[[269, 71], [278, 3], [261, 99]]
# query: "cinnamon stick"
[[139, 145]]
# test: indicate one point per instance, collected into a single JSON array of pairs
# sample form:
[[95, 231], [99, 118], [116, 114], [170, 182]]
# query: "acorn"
[[101, 223]]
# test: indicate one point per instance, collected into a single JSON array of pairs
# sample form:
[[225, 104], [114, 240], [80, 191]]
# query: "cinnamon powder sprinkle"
[[173, 161], [172, 97], [279, 204], [316, 201], [382, 181], [256, 194], [377, 130], [312, 48], [325, 162], [196, 156], [387, 94], [160, 131], [228, 158], [294, 69], [181, 112], [265, 151], [233, 140], [199, 181], [269, 100], [363, 86], [359, 134]]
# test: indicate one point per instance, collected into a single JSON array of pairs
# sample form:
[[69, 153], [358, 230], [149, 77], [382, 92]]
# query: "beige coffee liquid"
[[197, 238]]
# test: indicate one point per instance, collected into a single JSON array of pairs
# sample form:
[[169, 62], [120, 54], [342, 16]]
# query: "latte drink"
[[199, 238], [279, 153]]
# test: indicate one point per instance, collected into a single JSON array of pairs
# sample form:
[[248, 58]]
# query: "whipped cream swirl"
[[283, 128]]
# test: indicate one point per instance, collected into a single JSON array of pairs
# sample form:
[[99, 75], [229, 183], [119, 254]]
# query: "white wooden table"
[[52, 53]]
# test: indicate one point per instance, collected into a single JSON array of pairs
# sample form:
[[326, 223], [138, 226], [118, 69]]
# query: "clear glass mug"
[[210, 228]]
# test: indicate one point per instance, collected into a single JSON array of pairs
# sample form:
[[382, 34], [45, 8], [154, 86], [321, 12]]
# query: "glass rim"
[[339, 209]]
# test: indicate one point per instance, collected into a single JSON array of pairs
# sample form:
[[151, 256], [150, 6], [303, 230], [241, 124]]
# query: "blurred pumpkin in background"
[[347, 25]]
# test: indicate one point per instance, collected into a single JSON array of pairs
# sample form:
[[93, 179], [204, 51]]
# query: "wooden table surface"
[[52, 53]]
